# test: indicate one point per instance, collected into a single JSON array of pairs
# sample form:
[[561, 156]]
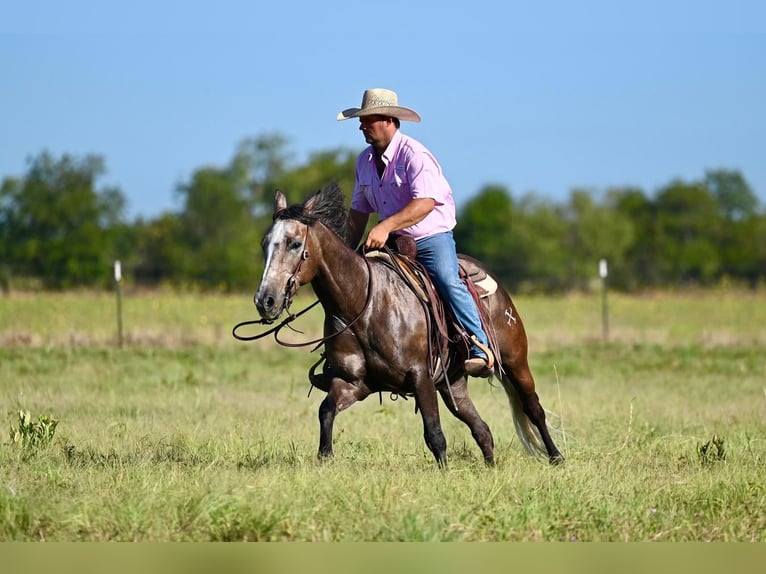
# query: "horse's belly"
[[378, 373]]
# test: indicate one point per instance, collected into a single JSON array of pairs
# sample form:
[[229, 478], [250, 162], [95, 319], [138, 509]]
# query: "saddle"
[[443, 328]]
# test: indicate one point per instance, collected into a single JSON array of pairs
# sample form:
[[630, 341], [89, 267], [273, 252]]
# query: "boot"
[[480, 362]]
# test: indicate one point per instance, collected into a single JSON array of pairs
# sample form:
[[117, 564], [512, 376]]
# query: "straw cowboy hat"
[[381, 102]]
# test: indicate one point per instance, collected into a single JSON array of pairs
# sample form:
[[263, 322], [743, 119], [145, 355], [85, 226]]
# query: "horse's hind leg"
[[464, 409], [520, 387]]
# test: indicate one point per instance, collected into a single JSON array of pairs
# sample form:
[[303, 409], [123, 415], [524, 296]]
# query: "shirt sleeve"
[[426, 180]]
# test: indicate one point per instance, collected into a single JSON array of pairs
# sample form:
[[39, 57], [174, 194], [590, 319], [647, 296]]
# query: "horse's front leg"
[[340, 396]]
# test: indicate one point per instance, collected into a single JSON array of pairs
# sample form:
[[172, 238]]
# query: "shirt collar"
[[391, 149]]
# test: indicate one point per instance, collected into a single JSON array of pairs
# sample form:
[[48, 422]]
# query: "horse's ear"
[[310, 204], [280, 202], [321, 197]]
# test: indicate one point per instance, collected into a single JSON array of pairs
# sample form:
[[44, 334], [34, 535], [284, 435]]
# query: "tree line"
[[60, 228]]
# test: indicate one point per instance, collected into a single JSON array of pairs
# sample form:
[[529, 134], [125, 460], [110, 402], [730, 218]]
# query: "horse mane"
[[327, 205]]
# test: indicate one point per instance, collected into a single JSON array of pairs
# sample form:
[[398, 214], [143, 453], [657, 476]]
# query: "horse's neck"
[[342, 275]]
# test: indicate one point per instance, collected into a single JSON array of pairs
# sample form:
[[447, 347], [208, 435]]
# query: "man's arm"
[[355, 225], [414, 212]]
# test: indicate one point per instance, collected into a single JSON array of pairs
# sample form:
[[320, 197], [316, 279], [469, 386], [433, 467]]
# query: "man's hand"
[[377, 237], [414, 212]]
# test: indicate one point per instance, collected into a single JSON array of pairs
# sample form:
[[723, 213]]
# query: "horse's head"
[[285, 251], [286, 247]]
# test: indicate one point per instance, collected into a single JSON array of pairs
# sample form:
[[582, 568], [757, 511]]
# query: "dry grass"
[[707, 318]]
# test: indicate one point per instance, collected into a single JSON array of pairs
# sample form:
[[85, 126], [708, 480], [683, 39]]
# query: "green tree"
[[257, 164], [688, 231], [159, 251], [485, 231], [320, 169], [217, 229], [597, 232], [741, 239], [214, 240], [542, 231], [57, 225], [640, 267], [744, 250], [733, 194]]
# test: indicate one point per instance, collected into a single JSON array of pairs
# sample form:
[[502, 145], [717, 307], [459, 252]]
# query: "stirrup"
[[490, 356]]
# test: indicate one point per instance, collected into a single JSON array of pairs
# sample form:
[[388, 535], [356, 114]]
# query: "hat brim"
[[405, 114]]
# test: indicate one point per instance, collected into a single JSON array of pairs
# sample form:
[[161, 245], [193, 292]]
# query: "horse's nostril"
[[264, 302]]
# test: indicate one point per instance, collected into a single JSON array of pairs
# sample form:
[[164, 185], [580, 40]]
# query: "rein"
[[292, 316], [289, 319]]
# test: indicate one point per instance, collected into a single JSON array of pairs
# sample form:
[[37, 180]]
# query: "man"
[[400, 180]]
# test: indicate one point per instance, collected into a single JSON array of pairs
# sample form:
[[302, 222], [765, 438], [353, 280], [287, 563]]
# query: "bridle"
[[291, 288]]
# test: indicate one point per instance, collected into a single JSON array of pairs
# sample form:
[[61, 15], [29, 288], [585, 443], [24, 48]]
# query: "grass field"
[[184, 434]]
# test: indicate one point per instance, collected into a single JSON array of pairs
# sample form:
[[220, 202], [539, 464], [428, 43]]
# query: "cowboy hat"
[[382, 102]]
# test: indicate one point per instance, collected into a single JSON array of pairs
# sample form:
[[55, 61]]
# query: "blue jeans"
[[438, 255]]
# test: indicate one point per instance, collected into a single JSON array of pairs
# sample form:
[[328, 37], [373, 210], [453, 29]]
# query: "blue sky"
[[543, 97]]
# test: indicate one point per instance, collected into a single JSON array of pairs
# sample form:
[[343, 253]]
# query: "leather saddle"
[[400, 254]]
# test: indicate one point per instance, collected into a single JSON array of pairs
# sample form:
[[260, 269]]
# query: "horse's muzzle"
[[269, 307]]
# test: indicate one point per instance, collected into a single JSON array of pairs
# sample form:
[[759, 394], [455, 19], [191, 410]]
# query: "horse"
[[375, 331]]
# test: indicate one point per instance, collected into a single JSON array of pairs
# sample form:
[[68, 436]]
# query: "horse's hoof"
[[325, 456], [557, 460]]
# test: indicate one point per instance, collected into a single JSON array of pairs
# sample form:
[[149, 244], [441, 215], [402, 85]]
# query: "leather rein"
[[290, 289]]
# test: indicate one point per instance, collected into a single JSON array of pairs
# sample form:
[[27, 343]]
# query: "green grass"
[[186, 434]]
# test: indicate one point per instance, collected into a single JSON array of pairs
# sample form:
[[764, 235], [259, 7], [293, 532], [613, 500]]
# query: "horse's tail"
[[527, 432]]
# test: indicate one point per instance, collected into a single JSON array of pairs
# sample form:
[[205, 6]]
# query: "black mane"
[[328, 206]]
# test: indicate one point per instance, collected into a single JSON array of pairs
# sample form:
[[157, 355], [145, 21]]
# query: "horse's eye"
[[294, 245]]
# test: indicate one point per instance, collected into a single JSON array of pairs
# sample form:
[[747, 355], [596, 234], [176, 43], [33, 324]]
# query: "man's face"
[[377, 130]]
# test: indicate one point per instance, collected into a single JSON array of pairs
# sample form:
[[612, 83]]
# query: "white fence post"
[[602, 272], [118, 285]]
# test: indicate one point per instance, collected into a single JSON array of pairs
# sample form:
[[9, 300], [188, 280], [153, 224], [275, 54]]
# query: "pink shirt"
[[411, 172]]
